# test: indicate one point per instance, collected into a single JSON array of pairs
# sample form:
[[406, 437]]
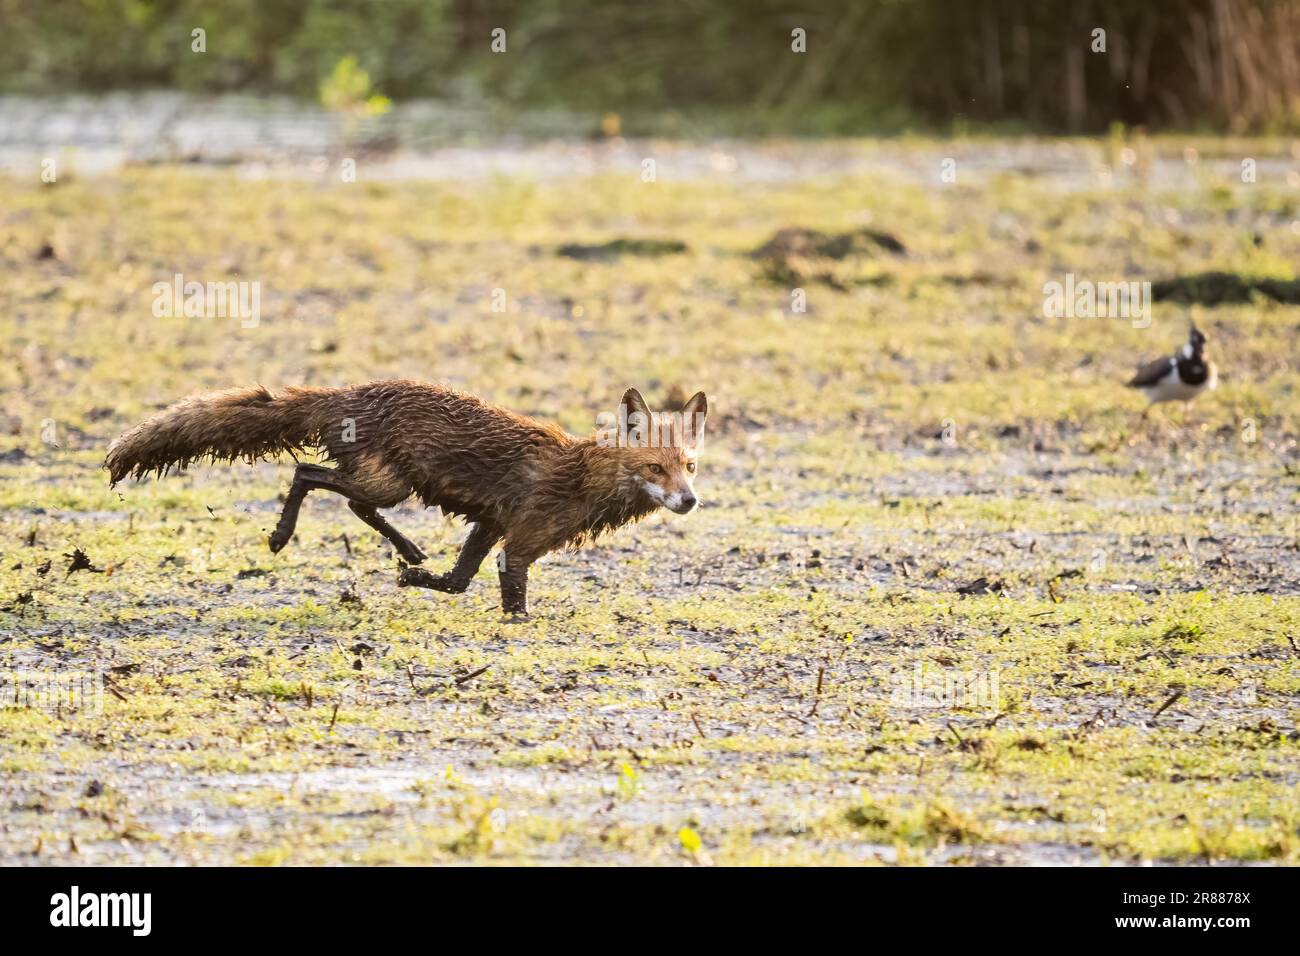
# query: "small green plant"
[[347, 91], [690, 841], [629, 783], [868, 816], [1183, 631], [480, 819], [928, 825]]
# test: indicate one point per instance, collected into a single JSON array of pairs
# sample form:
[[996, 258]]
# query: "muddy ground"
[[950, 598]]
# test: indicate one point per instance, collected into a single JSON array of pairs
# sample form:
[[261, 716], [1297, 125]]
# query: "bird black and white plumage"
[[1179, 378]]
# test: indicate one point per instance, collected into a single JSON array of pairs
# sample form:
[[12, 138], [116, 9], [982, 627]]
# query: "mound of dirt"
[[1219, 288], [811, 243], [793, 254]]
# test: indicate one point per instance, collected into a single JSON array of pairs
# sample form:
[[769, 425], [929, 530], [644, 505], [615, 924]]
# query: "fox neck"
[[608, 496]]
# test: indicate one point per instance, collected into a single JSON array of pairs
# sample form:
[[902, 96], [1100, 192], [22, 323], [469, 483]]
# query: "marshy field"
[[949, 598]]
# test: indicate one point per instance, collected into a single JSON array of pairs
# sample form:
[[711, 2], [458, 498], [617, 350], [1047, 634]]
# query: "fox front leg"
[[420, 578], [513, 572], [480, 541]]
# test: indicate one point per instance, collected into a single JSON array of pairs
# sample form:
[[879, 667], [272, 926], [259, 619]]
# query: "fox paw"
[[411, 554], [420, 578], [415, 578], [278, 540]]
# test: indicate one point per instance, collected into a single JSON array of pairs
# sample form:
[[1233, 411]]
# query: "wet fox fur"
[[519, 481]]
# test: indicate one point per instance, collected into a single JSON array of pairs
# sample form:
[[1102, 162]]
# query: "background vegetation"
[[1224, 64]]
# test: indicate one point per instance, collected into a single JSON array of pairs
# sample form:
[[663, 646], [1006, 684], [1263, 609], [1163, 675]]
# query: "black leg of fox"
[[308, 478], [512, 570], [513, 575], [305, 477], [482, 537], [409, 551], [514, 587]]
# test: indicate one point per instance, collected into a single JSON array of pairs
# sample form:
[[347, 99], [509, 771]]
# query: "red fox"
[[523, 482]]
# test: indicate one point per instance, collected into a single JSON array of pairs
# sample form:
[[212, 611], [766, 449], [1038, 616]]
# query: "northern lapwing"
[[1179, 378]]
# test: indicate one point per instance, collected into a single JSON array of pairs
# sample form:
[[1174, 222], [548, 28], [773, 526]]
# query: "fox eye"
[[656, 470], [690, 466]]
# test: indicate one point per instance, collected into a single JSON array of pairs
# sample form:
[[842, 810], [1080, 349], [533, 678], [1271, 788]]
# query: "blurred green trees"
[[1227, 64]]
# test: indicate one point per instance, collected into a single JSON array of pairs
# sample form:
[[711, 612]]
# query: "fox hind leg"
[[481, 539], [305, 478], [361, 499], [408, 549]]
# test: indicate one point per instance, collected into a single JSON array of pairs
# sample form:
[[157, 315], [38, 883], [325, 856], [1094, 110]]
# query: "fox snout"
[[679, 500], [681, 503]]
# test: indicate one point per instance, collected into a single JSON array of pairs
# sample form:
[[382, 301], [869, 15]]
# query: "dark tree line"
[[1226, 64]]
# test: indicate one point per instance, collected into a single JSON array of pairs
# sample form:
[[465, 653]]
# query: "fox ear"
[[635, 404], [693, 414]]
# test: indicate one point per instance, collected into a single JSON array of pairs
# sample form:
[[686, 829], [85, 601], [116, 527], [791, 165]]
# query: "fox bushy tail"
[[239, 423]]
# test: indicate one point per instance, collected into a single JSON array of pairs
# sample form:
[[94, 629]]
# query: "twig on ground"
[[471, 675], [1167, 704], [821, 676]]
